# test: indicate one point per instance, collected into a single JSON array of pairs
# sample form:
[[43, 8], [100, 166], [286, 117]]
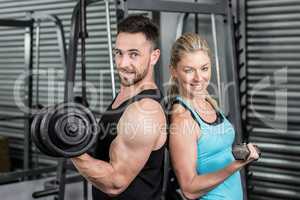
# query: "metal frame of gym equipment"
[[34, 18], [28, 26], [78, 30], [69, 65], [241, 52], [222, 8]]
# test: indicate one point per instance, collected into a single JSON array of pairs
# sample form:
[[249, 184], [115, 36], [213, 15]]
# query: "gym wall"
[[272, 31]]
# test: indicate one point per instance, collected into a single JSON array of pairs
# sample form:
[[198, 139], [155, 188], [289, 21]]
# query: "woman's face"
[[193, 73]]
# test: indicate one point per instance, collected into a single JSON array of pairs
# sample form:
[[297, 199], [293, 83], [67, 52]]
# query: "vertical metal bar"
[[37, 60], [61, 42], [233, 72], [196, 21], [241, 18], [85, 189], [70, 72], [235, 94], [83, 35], [61, 177], [28, 97], [214, 32], [181, 20], [113, 87], [157, 72], [122, 5], [83, 72], [37, 63]]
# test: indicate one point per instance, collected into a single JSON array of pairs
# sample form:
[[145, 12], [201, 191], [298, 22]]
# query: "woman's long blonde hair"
[[187, 43]]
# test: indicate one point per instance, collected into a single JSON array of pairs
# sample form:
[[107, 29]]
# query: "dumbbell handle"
[[241, 151]]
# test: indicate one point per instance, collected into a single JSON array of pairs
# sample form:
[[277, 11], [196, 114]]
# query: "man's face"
[[134, 55]]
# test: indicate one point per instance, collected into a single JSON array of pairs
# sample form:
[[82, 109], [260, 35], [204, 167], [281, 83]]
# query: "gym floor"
[[23, 190]]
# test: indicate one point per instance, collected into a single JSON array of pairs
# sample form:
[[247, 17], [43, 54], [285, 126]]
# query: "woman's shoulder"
[[178, 111], [182, 124]]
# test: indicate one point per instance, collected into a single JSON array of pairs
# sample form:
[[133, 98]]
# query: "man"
[[128, 163]]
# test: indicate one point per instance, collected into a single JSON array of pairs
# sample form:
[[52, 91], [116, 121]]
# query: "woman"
[[201, 137]]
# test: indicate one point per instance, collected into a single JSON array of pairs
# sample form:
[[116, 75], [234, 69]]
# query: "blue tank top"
[[214, 152]]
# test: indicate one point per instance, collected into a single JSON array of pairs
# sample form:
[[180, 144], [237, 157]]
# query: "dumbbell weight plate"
[[58, 138], [58, 121], [35, 133], [73, 128]]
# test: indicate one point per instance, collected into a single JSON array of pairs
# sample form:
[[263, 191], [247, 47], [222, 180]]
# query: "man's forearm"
[[100, 173]]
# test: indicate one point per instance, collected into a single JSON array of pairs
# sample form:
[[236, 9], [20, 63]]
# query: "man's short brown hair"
[[140, 24]]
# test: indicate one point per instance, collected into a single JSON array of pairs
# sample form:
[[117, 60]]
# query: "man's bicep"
[[137, 134], [128, 158]]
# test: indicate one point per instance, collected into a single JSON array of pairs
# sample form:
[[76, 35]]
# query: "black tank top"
[[148, 183]]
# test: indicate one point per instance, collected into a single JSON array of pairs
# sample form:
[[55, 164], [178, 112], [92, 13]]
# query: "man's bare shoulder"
[[145, 107], [143, 121]]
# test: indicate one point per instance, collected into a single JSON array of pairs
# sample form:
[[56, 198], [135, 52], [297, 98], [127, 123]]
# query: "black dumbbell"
[[241, 151], [64, 130]]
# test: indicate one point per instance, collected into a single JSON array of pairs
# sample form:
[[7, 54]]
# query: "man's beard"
[[132, 81]]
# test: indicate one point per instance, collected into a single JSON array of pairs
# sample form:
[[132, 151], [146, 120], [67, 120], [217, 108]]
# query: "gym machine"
[[71, 123], [69, 129], [223, 9], [28, 26], [35, 19]]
